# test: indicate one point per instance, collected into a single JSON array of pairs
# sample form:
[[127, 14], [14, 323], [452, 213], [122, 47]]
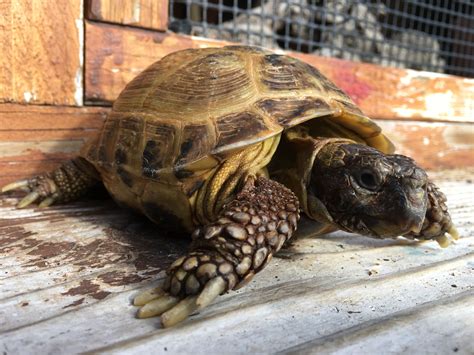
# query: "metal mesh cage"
[[433, 35]]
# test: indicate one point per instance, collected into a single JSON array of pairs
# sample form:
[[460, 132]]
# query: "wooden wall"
[[63, 63]]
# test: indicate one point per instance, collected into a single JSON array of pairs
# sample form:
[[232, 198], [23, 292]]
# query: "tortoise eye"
[[369, 180]]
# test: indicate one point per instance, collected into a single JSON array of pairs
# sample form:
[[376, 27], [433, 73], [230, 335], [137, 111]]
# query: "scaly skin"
[[225, 255], [437, 220], [67, 183], [367, 192]]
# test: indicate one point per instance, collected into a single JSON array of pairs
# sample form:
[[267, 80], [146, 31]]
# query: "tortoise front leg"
[[437, 223], [225, 255]]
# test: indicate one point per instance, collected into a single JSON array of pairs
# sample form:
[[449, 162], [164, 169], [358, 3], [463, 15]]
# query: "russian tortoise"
[[231, 143]]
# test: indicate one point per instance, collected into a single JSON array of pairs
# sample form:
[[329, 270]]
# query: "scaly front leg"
[[225, 255], [437, 223]]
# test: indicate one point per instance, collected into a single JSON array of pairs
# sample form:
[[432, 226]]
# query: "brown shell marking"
[[287, 111], [195, 143], [127, 142], [159, 148], [235, 128]]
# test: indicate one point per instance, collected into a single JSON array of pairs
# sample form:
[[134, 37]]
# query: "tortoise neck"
[[306, 151]]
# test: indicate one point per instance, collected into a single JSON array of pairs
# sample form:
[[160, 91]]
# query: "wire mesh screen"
[[433, 35]]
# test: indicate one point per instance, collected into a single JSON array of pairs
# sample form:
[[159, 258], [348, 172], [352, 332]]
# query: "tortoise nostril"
[[415, 183]]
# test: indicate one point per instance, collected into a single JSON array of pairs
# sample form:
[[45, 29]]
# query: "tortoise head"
[[365, 191]]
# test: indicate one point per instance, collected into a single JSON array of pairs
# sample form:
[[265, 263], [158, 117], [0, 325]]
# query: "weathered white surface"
[[67, 275]]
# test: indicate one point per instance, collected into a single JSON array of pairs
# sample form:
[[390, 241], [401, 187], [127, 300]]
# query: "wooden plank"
[[41, 52], [68, 273], [38, 138], [451, 317], [434, 146], [35, 139], [152, 14], [115, 55]]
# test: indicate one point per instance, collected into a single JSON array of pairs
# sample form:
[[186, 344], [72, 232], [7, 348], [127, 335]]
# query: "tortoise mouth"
[[389, 228], [401, 220]]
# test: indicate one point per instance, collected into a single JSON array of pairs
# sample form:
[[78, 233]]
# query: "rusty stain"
[[49, 249], [87, 288], [75, 303], [125, 242], [120, 278], [11, 234], [347, 79], [25, 244]]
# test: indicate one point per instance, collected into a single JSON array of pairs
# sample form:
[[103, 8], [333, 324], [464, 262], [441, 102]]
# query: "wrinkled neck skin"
[[358, 189]]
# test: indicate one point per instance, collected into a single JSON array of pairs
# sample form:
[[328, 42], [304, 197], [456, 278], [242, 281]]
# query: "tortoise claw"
[[448, 238], [147, 296], [48, 201], [453, 232], [39, 188], [210, 292], [172, 309], [28, 199], [179, 312], [17, 185], [66, 183], [157, 306]]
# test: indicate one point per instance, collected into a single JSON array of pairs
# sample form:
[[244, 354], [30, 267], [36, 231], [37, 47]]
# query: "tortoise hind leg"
[[226, 254], [67, 183]]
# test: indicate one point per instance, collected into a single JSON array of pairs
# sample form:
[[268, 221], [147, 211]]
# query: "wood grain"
[[115, 55], [448, 316], [41, 52], [152, 14], [38, 138], [434, 146], [68, 273]]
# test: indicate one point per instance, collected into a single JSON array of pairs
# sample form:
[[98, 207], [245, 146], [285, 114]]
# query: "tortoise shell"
[[188, 112]]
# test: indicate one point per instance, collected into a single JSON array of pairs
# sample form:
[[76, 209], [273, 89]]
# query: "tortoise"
[[230, 144]]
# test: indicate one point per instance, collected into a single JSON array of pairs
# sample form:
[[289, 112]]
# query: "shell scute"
[[128, 139], [196, 142], [235, 129], [105, 150], [125, 176], [159, 151], [202, 86], [289, 111], [350, 107], [278, 72]]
